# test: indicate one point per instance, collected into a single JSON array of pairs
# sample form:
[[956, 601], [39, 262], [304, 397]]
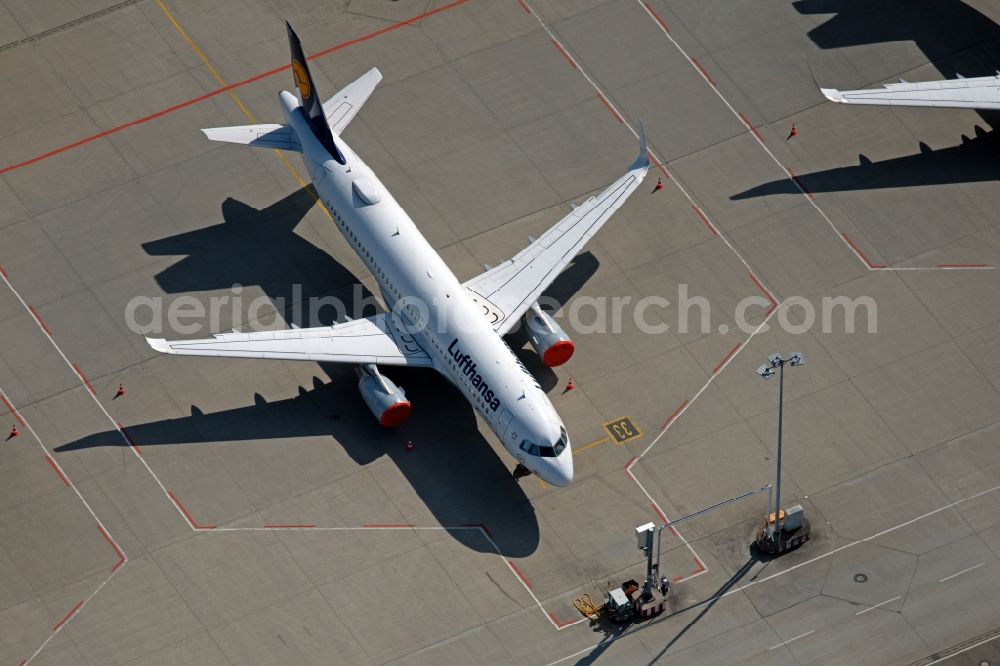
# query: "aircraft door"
[[504, 423]]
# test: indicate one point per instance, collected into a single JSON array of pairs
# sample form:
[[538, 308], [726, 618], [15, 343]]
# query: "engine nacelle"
[[385, 400], [547, 338]]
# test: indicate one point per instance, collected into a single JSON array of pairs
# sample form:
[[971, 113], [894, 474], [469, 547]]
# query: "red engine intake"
[[547, 339], [386, 401]]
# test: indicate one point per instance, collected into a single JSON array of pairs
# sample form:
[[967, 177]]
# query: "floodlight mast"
[[766, 372]]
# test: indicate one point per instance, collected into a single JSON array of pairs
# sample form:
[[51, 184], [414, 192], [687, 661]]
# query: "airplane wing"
[[343, 106], [267, 135], [977, 93], [375, 339], [508, 290]]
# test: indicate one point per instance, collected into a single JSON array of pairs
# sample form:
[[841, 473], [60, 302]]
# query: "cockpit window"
[[533, 449], [563, 440]]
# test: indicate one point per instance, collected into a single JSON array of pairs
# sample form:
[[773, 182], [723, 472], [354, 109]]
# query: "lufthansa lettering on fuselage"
[[468, 367]]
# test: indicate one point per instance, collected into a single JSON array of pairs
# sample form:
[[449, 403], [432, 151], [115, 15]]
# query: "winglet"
[[159, 344], [642, 160], [833, 95]]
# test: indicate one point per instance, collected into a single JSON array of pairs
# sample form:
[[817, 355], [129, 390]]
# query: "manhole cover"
[[860, 578]]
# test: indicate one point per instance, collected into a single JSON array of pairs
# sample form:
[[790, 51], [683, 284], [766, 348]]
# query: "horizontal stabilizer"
[[343, 106], [267, 135]]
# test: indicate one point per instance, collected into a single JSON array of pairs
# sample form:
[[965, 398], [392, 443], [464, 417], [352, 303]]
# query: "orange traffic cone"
[[659, 185], [569, 386], [13, 432], [120, 392], [794, 132], [409, 445]]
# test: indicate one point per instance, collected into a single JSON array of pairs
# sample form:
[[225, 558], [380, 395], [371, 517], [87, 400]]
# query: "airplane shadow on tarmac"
[[958, 40], [453, 469]]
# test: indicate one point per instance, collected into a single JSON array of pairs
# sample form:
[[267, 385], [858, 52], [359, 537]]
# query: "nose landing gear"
[[521, 471]]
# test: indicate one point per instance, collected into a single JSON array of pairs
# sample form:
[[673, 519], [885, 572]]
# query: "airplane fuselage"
[[430, 303]]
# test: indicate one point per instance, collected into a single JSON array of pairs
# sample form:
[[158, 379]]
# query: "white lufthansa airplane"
[[434, 320], [981, 92]]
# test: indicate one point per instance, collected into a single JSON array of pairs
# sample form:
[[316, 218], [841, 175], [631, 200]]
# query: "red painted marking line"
[[129, 438], [963, 265], [377, 526], [68, 615], [3, 272], [56, 469], [656, 17], [673, 531], [746, 121], [558, 622], [607, 105], [121, 555], [860, 253], [564, 54], [677, 579], [659, 165], [659, 513], [523, 6], [13, 413], [86, 382], [728, 356], [287, 527], [627, 465], [704, 72], [187, 515], [480, 526], [38, 318], [673, 416], [799, 182], [519, 574], [764, 291], [705, 220], [701, 567], [227, 88]]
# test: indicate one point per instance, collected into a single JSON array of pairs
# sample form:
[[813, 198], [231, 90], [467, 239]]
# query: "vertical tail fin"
[[309, 98]]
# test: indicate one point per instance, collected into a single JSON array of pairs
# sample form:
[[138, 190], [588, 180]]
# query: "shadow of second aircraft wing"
[[974, 160]]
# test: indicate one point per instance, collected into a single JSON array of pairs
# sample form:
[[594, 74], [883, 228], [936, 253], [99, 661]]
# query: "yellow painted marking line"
[[590, 446], [233, 96]]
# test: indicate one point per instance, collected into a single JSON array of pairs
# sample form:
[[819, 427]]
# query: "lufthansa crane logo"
[[301, 79]]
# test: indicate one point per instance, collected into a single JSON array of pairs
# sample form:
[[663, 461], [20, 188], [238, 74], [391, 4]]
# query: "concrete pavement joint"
[[760, 141], [122, 558]]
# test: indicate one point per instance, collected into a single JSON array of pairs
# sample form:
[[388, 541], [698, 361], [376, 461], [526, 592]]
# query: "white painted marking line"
[[96, 400], [825, 555], [881, 603], [805, 193], [959, 573], [965, 649], [775, 647], [62, 625]]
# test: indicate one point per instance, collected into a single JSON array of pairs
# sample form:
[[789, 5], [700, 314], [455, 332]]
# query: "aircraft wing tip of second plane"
[[159, 344], [832, 94]]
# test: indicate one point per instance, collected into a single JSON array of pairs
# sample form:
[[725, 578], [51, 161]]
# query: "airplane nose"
[[559, 470]]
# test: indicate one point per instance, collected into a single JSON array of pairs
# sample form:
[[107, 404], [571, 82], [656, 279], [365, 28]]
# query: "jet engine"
[[385, 400], [547, 338]]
